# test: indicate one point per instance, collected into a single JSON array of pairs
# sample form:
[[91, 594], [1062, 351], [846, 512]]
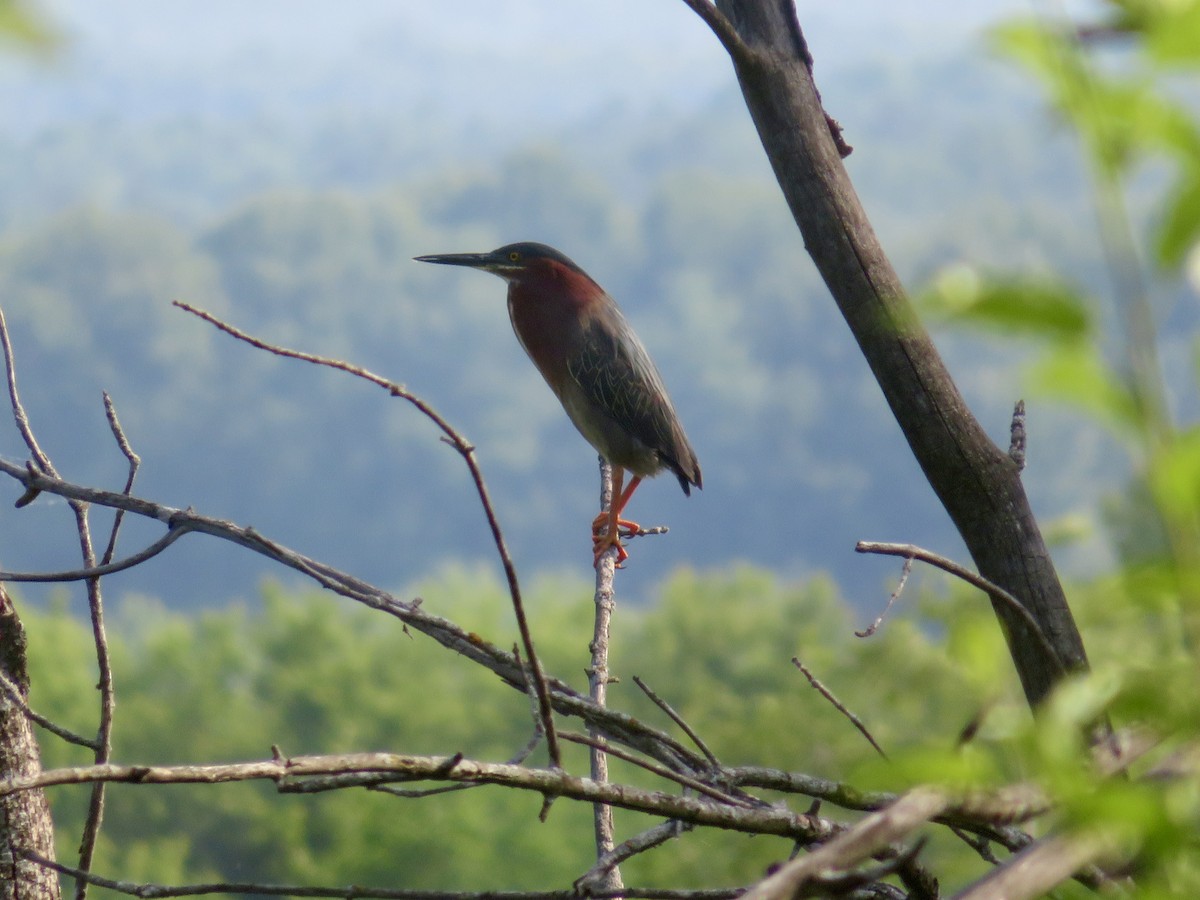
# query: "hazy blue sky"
[[239, 96], [521, 59]]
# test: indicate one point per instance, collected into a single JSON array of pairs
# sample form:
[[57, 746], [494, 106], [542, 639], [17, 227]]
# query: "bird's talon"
[[602, 544], [601, 524]]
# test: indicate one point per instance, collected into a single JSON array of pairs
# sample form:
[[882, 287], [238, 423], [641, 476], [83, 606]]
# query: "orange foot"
[[600, 523], [600, 545]]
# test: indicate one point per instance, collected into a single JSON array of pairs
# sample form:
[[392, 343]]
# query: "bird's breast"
[[548, 320]]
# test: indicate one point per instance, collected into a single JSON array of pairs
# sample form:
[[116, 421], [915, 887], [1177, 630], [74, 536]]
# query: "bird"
[[578, 338]]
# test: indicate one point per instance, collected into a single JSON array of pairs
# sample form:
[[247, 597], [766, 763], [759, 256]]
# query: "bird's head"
[[512, 262]]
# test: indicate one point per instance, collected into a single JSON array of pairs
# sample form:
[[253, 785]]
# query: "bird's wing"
[[616, 374]]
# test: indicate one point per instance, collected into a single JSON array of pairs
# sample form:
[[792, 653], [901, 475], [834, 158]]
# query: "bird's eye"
[[513, 255]]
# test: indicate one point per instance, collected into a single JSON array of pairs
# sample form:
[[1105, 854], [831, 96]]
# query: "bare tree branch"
[[837, 704], [997, 593], [13, 693], [110, 412], [102, 746], [617, 726], [989, 815], [293, 774], [467, 451], [874, 834], [905, 572], [678, 720], [588, 883], [661, 771], [720, 26], [40, 459], [977, 482], [149, 552], [1043, 866]]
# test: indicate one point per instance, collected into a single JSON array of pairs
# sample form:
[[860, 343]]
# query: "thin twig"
[[905, 571], [40, 459], [467, 451], [102, 746], [120, 565], [517, 759], [539, 731], [588, 883], [14, 695], [980, 845], [678, 720], [997, 593], [604, 602], [661, 771], [838, 705], [108, 698], [110, 412]]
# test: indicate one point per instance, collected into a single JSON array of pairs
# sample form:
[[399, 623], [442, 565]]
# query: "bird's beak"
[[470, 260]]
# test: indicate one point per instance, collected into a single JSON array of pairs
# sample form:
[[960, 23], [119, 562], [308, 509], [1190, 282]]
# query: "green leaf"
[[1119, 118], [21, 24], [1180, 227], [1011, 305], [1175, 476], [1077, 374], [1173, 37], [1029, 43]]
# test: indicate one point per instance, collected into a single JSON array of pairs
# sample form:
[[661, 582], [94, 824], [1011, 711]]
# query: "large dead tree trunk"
[[25, 822], [976, 481]]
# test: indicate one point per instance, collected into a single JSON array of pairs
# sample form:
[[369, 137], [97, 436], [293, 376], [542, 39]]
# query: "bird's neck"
[[548, 313]]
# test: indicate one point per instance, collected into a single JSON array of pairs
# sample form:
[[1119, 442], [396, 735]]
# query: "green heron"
[[579, 340]]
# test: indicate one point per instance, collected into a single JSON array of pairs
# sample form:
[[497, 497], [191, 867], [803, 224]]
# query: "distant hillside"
[[302, 230]]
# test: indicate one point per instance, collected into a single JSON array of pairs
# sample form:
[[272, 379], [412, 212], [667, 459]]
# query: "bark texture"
[[978, 483], [25, 822]]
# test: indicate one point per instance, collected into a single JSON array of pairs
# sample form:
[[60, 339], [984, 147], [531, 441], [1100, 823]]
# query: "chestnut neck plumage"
[[549, 304]]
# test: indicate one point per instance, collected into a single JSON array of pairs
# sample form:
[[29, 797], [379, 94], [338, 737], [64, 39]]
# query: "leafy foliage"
[[1108, 365], [311, 675], [22, 25]]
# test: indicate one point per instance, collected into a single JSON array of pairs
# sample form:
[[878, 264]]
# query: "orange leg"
[[604, 537]]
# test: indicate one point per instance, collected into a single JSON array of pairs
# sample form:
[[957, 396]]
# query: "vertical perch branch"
[[598, 684]]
